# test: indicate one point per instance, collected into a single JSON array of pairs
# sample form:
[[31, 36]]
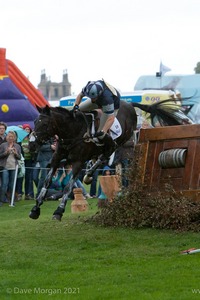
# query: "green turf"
[[73, 259]]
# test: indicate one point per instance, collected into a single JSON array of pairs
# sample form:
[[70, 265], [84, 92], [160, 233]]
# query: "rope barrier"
[[41, 168], [59, 169]]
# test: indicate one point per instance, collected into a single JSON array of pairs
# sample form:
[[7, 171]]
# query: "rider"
[[104, 96]]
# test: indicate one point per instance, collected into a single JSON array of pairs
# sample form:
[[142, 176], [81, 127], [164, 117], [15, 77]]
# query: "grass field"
[[73, 259]]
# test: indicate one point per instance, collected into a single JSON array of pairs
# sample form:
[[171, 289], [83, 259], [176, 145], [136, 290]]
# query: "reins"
[[67, 143], [75, 141], [64, 143]]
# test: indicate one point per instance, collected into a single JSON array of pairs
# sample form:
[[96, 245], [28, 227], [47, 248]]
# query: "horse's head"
[[44, 128]]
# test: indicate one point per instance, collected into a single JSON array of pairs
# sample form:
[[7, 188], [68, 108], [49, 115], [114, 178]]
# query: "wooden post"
[[110, 185], [79, 204]]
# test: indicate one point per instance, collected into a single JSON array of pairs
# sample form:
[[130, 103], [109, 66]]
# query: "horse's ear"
[[45, 110], [38, 108]]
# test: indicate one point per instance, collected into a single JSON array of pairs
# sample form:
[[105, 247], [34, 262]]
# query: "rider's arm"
[[78, 99]]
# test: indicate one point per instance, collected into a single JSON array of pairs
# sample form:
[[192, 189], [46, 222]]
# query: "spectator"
[[56, 189], [61, 180], [123, 157], [44, 156], [20, 176], [82, 172], [28, 159], [77, 184], [33, 148], [93, 186], [102, 198], [10, 153], [3, 128]]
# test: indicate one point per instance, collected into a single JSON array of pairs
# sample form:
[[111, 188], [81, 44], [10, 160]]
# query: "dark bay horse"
[[72, 146]]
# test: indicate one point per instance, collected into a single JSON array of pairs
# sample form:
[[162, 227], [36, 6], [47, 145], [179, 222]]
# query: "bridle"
[[42, 132]]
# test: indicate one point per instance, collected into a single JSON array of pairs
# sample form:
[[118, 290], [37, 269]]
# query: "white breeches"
[[88, 105]]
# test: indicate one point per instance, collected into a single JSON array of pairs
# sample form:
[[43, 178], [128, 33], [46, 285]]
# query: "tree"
[[197, 68]]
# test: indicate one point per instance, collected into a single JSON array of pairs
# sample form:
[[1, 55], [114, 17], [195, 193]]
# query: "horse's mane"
[[59, 109], [62, 110], [66, 114]]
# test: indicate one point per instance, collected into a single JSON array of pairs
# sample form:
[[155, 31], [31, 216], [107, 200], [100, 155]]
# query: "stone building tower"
[[53, 90]]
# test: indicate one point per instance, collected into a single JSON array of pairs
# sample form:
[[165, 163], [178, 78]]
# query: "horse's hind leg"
[[58, 213], [88, 177], [35, 211]]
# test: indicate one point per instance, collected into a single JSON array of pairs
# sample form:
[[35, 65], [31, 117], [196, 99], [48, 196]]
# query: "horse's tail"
[[165, 112]]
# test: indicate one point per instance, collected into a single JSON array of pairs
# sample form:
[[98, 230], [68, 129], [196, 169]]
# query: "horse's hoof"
[[57, 217], [34, 213], [58, 213], [87, 179]]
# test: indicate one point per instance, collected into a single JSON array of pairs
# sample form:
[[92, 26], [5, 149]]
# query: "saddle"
[[108, 142], [93, 120]]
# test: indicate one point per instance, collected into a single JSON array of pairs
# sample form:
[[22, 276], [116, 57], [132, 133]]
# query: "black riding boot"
[[110, 145]]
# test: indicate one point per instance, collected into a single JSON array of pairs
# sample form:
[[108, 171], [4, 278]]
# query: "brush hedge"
[[136, 208]]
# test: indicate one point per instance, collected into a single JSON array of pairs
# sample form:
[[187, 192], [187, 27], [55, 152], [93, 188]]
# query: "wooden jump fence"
[[170, 155]]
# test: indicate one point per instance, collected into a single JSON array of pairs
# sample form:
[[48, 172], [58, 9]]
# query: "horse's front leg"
[[35, 211], [57, 157], [58, 213]]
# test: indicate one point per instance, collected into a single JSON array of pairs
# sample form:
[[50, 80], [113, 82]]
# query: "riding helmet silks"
[[93, 89]]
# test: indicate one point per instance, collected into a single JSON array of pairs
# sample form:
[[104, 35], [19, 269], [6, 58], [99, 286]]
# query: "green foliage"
[[197, 68]]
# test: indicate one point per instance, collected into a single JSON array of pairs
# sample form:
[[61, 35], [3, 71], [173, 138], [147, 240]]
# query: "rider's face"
[[93, 100]]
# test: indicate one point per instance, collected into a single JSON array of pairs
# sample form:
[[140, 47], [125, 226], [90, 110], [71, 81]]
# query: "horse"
[[73, 147]]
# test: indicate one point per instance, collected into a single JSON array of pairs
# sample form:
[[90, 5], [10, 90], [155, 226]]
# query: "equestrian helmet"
[[93, 89]]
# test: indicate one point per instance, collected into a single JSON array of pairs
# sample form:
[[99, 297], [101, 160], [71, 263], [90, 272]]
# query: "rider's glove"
[[100, 134], [75, 108]]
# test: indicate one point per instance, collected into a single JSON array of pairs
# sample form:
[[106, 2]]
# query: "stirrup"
[[97, 142], [86, 138]]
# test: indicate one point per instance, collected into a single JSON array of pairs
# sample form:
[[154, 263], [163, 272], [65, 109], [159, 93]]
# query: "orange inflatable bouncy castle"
[[18, 96]]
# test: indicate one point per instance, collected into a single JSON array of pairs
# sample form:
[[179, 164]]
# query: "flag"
[[163, 69]]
